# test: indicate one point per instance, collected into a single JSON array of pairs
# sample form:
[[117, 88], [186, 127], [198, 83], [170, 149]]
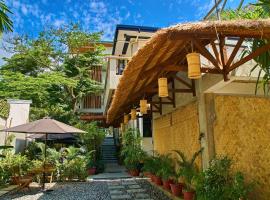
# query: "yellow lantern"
[[126, 119], [133, 114], [194, 65], [143, 106], [163, 87]]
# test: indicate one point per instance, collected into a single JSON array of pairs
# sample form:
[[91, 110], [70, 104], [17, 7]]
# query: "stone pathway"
[[135, 189], [121, 189]]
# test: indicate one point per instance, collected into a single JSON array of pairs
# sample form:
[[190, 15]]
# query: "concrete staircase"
[[112, 169], [109, 150]]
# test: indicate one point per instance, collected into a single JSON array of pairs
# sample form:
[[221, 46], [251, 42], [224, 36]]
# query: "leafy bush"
[[218, 182], [131, 150], [93, 138], [187, 168], [75, 168], [166, 167]]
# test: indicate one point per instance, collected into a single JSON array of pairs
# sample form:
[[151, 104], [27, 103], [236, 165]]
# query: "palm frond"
[[6, 25]]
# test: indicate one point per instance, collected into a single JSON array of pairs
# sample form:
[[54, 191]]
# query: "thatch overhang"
[[166, 53]]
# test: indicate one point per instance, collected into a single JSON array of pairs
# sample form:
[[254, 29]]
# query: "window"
[[147, 126], [121, 64]]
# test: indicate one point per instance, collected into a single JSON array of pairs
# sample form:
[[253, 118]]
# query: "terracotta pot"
[[158, 180], [152, 177], [14, 180], [92, 171], [189, 195], [176, 189], [166, 184], [134, 172], [147, 174]]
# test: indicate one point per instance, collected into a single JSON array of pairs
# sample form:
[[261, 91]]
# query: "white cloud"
[[59, 22]]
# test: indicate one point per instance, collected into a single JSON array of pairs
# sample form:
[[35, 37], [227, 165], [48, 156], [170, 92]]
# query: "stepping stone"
[[142, 196], [129, 183], [118, 197], [116, 192], [134, 186], [113, 183], [135, 190], [113, 187]]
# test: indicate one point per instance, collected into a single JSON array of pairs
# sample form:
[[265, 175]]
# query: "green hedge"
[[4, 108]]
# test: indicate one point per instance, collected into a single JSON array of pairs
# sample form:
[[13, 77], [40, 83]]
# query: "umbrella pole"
[[44, 163]]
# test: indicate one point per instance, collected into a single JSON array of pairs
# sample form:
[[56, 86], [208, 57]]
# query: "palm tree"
[[6, 25]]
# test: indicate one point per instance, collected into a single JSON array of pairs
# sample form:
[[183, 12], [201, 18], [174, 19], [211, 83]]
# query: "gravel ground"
[[97, 190]]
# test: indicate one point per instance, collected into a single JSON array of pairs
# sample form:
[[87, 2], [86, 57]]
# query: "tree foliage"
[[51, 69]]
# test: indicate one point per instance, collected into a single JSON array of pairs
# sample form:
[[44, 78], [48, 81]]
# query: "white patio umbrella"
[[44, 126]]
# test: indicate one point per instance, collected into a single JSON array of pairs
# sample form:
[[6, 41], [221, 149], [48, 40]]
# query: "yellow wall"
[[178, 130], [242, 131]]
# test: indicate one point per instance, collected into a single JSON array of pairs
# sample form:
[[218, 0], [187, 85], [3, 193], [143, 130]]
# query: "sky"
[[32, 16]]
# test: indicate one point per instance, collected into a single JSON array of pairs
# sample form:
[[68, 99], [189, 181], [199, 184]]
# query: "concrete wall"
[[19, 114]]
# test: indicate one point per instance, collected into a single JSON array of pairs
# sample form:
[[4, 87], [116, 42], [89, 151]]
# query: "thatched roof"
[[168, 47]]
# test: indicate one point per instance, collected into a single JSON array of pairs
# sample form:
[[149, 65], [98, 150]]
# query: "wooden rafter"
[[234, 52], [214, 47], [251, 56], [204, 51]]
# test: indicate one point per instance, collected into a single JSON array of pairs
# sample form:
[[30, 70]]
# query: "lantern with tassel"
[[133, 114], [163, 87], [194, 65], [143, 106], [126, 119]]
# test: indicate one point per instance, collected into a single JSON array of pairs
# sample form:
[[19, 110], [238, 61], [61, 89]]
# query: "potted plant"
[[91, 167], [188, 170], [166, 171], [218, 182], [176, 187], [131, 151]]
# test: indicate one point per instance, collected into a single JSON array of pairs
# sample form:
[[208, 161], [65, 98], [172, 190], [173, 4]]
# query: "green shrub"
[[131, 150], [166, 167], [218, 182], [75, 168], [187, 169]]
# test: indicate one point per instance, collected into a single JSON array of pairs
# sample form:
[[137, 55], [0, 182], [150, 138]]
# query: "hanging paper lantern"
[[126, 119], [133, 114], [163, 87], [194, 65], [143, 106]]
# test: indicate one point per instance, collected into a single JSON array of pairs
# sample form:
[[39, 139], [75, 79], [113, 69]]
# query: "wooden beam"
[[234, 52], [214, 47], [154, 90], [182, 81], [221, 51], [251, 56], [173, 94], [162, 102], [193, 87], [206, 54]]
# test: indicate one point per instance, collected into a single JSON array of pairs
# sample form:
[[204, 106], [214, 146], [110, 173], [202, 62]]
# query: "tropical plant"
[[218, 182], [166, 167], [187, 168], [75, 168], [92, 139], [6, 24], [131, 150]]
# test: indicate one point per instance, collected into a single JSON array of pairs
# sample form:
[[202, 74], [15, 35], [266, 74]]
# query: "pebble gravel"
[[94, 190]]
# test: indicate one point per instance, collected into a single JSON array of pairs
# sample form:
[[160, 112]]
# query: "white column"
[[19, 114]]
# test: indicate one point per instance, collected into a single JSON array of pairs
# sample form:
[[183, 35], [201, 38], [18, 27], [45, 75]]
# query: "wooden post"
[[204, 135]]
